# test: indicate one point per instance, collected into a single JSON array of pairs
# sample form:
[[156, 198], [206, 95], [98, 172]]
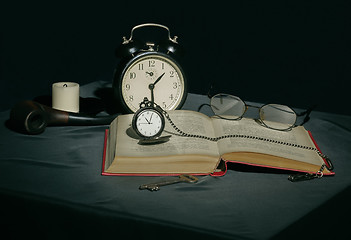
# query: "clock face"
[[161, 72], [149, 123]]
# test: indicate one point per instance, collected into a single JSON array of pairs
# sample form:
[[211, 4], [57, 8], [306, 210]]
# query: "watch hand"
[[150, 73], [147, 121], [151, 117]]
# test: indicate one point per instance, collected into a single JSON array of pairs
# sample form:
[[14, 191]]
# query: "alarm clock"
[[149, 70]]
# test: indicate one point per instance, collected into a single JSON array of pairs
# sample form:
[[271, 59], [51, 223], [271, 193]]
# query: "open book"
[[186, 155]]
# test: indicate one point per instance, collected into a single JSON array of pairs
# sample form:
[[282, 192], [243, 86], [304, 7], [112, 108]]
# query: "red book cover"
[[217, 172]]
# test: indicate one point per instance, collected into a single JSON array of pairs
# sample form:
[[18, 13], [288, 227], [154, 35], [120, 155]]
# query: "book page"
[[111, 144], [188, 121], [250, 127]]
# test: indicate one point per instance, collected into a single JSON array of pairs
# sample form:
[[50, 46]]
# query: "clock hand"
[[152, 86], [158, 79]]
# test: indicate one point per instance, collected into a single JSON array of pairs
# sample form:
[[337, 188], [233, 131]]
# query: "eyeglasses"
[[274, 116]]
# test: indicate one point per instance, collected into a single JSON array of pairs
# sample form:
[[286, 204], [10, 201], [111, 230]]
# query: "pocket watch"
[[150, 70], [148, 122]]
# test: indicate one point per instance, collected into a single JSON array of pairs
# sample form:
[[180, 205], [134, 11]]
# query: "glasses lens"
[[227, 106], [277, 116]]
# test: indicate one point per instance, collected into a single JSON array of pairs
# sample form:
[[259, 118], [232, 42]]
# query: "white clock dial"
[[149, 123], [168, 90]]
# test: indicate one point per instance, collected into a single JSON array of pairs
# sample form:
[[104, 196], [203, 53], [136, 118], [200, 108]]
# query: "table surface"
[[61, 168]]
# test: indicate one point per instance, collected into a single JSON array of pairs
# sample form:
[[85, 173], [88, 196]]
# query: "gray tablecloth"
[[51, 186]]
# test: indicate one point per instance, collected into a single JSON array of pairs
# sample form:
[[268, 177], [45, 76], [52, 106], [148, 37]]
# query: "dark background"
[[290, 52]]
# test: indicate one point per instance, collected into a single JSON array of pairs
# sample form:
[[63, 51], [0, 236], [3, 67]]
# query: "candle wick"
[[65, 85]]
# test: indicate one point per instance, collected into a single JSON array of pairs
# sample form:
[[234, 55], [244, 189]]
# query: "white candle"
[[65, 96]]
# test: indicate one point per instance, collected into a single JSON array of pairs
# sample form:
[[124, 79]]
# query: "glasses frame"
[[259, 120]]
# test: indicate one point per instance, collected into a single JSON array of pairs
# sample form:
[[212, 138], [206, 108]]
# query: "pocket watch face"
[[148, 123], [162, 73]]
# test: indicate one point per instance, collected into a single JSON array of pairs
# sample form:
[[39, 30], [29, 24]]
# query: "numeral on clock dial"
[[168, 90]]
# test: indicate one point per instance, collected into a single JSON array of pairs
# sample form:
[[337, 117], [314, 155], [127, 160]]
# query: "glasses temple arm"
[[209, 93], [307, 113], [202, 105]]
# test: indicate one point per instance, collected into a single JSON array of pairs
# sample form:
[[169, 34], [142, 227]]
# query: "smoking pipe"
[[32, 118]]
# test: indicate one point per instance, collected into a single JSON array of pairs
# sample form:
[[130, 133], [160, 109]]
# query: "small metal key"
[[181, 178], [303, 177]]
